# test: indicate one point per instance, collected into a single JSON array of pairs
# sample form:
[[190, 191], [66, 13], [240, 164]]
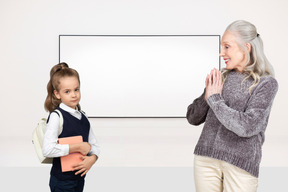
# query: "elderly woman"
[[235, 107]]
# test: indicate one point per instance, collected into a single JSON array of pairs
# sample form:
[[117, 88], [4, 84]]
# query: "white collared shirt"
[[51, 148]]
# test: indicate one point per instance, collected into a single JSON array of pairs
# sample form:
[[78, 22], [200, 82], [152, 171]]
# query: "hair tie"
[[258, 34], [58, 67], [57, 70]]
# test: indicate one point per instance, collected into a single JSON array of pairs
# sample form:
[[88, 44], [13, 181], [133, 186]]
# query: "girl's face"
[[69, 91], [232, 53]]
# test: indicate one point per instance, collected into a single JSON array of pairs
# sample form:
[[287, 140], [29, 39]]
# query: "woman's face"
[[233, 55]]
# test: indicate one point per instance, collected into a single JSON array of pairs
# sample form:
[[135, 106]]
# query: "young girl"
[[236, 113], [64, 94]]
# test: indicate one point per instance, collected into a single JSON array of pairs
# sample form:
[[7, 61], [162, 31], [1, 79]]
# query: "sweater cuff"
[[215, 98]]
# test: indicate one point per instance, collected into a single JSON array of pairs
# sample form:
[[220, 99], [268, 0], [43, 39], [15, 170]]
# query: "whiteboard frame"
[[219, 63]]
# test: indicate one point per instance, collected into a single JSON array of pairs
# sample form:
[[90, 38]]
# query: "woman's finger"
[[210, 80], [220, 78], [214, 77], [207, 81], [217, 76]]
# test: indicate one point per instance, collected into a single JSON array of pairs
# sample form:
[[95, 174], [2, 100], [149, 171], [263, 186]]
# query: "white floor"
[[137, 155], [129, 179]]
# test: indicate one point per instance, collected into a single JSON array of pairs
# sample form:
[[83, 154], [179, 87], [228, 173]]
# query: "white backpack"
[[38, 136]]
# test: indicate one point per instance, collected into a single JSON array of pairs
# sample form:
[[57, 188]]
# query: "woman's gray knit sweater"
[[235, 121]]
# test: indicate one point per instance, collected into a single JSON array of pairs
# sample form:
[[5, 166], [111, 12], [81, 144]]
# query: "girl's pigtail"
[[52, 102]]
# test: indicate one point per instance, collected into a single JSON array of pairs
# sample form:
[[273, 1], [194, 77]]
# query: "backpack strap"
[[61, 121]]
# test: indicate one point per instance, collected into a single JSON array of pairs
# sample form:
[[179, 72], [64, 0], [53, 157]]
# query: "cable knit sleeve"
[[255, 117], [197, 111]]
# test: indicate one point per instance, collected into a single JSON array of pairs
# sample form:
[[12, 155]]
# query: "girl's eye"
[[76, 89], [67, 92]]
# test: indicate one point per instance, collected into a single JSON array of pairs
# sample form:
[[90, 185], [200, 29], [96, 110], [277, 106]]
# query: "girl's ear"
[[248, 46], [57, 94]]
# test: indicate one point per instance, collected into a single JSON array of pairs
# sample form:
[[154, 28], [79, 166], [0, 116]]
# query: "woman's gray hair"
[[257, 64]]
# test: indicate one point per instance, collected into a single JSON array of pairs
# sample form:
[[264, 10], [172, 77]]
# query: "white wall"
[[29, 32]]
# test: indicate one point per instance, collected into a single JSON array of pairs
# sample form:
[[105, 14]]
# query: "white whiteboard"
[[138, 75]]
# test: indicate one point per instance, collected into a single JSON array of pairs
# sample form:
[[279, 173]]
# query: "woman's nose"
[[221, 54]]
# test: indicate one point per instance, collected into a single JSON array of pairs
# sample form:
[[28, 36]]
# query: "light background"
[[135, 152]]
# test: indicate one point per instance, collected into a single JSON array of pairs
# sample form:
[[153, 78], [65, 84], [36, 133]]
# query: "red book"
[[68, 161]]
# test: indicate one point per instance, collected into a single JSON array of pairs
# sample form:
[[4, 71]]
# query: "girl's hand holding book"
[[84, 166], [83, 148]]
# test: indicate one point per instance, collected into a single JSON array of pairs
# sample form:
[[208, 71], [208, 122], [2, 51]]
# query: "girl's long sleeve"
[[95, 148], [50, 147]]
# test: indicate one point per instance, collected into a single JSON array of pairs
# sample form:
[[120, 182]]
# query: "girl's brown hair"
[[57, 72]]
